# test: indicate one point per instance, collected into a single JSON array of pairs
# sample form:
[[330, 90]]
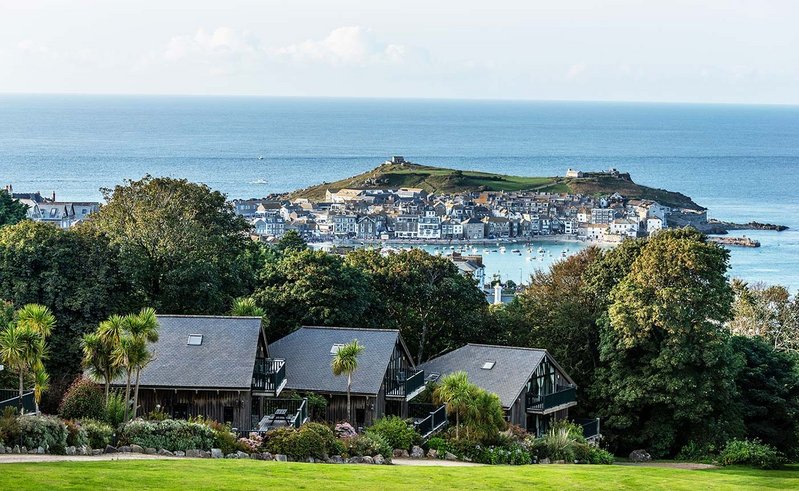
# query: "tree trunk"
[[107, 387], [349, 404], [127, 397], [136, 395], [457, 426]]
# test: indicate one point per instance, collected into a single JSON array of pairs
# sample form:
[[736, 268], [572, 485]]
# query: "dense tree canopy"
[[11, 210], [668, 372], [181, 244], [766, 312], [75, 274], [434, 306], [311, 288]]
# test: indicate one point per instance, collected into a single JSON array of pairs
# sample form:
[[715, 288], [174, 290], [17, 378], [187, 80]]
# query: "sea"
[[739, 161]]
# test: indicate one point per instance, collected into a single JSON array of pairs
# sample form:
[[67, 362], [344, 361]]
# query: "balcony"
[[269, 376], [404, 384], [565, 396]]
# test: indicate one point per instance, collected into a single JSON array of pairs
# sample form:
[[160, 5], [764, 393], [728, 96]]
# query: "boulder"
[[336, 459], [216, 453], [417, 452], [432, 453], [71, 450], [450, 456], [193, 453], [110, 449], [266, 456], [640, 456], [368, 460], [378, 459], [205, 454], [2, 449], [16, 449], [97, 451], [165, 453], [545, 461], [84, 450], [136, 449], [32, 451], [242, 455], [231, 456], [180, 453], [24, 449], [255, 456], [124, 449], [40, 450], [150, 451], [281, 458], [310, 460], [400, 453], [355, 460]]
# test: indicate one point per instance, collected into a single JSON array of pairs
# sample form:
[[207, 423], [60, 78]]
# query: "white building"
[[624, 226], [429, 227]]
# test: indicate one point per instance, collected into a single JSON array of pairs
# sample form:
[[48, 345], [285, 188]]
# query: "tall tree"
[[98, 358], [144, 328], [182, 245], [766, 312], [457, 393], [311, 288], [434, 306], [11, 210], [667, 374], [345, 362], [76, 274]]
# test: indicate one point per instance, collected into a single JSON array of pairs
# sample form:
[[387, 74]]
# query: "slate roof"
[[224, 360], [307, 355], [513, 367]]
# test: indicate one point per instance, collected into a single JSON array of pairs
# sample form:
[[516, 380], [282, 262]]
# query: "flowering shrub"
[[98, 434], [513, 454], [169, 434], [253, 442], [751, 452], [345, 430], [368, 444]]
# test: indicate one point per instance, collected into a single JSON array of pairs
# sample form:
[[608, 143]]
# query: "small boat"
[[541, 250], [516, 251], [260, 157]]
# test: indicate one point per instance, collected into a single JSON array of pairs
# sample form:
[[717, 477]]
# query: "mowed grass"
[[198, 474]]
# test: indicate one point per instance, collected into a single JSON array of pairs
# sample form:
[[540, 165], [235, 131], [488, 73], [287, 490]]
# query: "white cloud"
[[351, 45], [222, 42]]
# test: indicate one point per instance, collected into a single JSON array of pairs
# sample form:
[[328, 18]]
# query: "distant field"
[[246, 474]]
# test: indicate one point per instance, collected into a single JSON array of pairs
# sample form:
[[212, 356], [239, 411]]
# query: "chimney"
[[53, 195], [497, 294]]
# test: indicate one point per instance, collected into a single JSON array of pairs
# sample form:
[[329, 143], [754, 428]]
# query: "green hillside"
[[440, 180]]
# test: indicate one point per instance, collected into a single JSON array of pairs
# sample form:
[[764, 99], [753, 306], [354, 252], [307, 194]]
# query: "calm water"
[[742, 162]]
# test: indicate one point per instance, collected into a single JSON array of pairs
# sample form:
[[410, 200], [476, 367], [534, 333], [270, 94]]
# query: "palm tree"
[[98, 358], [22, 342], [246, 307], [124, 352], [346, 361], [144, 328], [41, 382], [485, 416], [457, 393]]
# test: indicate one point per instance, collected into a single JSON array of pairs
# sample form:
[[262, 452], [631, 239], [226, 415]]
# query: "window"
[[195, 339], [334, 349], [488, 365]]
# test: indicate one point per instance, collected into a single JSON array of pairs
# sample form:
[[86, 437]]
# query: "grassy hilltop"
[[440, 180]]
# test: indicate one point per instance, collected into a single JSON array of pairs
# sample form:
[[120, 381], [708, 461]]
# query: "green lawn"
[[232, 474]]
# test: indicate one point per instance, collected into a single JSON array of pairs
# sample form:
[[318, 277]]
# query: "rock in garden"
[[180, 453], [255, 456], [242, 455], [110, 449], [150, 451], [231, 456], [136, 449], [205, 454], [281, 458], [266, 456], [84, 450], [310, 460], [450, 456], [216, 453], [336, 459], [432, 453], [400, 453], [97, 451], [193, 453], [124, 449], [16, 449], [640, 456], [40, 450], [545, 461], [368, 460], [2, 449], [355, 460], [378, 459], [165, 453], [417, 452], [24, 449]]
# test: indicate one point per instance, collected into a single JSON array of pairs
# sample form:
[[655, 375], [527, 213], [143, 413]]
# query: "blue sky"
[[737, 51]]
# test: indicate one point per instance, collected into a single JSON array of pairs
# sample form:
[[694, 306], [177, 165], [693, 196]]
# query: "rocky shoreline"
[[719, 227]]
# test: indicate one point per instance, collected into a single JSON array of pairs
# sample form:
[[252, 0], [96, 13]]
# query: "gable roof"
[[307, 355], [512, 368], [225, 359]]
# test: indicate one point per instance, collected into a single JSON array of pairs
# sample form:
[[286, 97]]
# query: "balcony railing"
[[434, 421], [10, 398], [269, 376], [404, 383], [590, 427], [563, 395], [279, 413]]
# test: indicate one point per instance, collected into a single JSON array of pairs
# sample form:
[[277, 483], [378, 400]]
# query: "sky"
[[726, 51]]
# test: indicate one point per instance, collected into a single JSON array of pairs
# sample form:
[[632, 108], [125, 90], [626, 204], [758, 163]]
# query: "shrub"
[[76, 435], [156, 415], [345, 430], [751, 452], [311, 440], [325, 434], [598, 455], [169, 434], [440, 445], [83, 399], [396, 431], [98, 433], [47, 432], [115, 409], [696, 452], [252, 443], [368, 444], [513, 454], [278, 441], [9, 428]]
